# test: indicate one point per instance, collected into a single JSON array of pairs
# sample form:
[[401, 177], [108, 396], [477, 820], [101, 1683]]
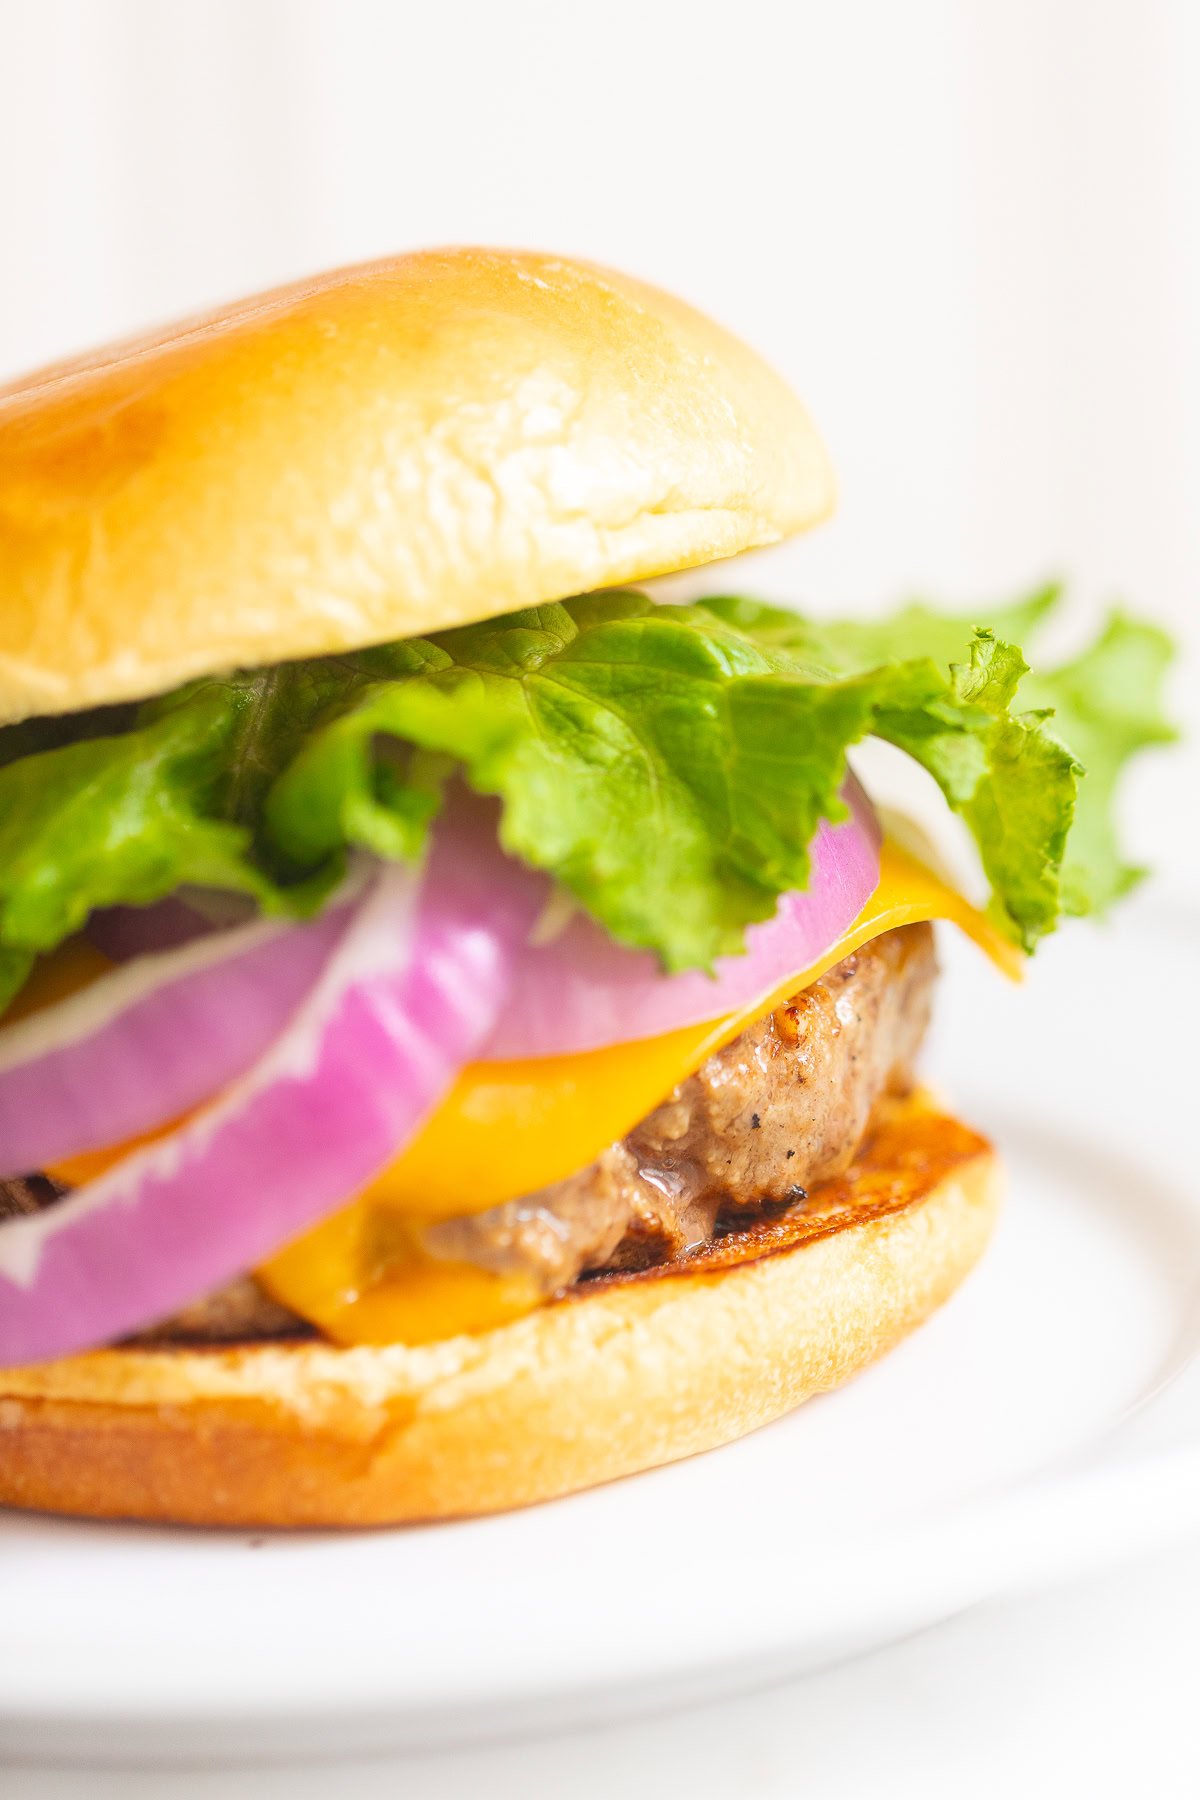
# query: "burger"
[[460, 1012]]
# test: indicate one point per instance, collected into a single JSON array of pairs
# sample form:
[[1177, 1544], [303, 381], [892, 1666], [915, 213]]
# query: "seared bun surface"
[[376, 453], [626, 1373]]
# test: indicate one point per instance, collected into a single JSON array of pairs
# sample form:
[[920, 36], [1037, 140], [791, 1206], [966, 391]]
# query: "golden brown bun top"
[[376, 453]]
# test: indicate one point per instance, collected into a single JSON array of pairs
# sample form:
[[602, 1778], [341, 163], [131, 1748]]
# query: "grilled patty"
[[782, 1107]]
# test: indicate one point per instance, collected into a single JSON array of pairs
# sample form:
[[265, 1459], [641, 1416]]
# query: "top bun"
[[376, 453]]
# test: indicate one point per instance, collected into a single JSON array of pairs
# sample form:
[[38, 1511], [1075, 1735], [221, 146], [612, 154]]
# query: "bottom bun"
[[624, 1373]]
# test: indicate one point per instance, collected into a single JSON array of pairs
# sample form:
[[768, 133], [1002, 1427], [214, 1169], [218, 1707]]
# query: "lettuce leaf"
[[1103, 706], [649, 758], [667, 765], [168, 800], [126, 818], [1107, 703]]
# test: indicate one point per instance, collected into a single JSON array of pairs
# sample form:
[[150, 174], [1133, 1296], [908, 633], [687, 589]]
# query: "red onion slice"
[[413, 987], [122, 932], [583, 991], [152, 1040]]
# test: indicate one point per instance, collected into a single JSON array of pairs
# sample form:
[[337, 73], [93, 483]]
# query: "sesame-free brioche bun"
[[626, 1373], [376, 453]]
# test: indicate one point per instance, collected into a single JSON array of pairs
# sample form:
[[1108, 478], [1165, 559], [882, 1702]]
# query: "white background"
[[970, 234]]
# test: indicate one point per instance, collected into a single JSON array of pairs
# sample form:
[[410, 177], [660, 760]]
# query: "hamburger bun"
[[371, 454], [625, 1373]]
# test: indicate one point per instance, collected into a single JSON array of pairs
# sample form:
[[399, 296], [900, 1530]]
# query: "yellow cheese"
[[363, 1278], [74, 965], [507, 1129]]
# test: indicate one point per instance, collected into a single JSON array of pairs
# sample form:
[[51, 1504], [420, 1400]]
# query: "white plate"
[[1048, 1420]]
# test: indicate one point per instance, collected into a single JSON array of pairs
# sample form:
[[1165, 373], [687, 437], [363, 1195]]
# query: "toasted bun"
[[376, 453], [629, 1373]]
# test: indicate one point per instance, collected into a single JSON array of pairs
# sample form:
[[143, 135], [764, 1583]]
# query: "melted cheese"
[[363, 1278], [74, 965]]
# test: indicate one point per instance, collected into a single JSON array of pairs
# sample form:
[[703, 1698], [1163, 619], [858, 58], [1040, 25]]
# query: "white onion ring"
[[583, 991], [413, 987]]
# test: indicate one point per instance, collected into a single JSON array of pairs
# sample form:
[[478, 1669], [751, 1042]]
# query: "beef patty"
[[782, 1107]]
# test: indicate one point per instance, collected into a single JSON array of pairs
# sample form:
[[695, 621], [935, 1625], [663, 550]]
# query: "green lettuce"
[[668, 766], [1107, 704], [110, 820]]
